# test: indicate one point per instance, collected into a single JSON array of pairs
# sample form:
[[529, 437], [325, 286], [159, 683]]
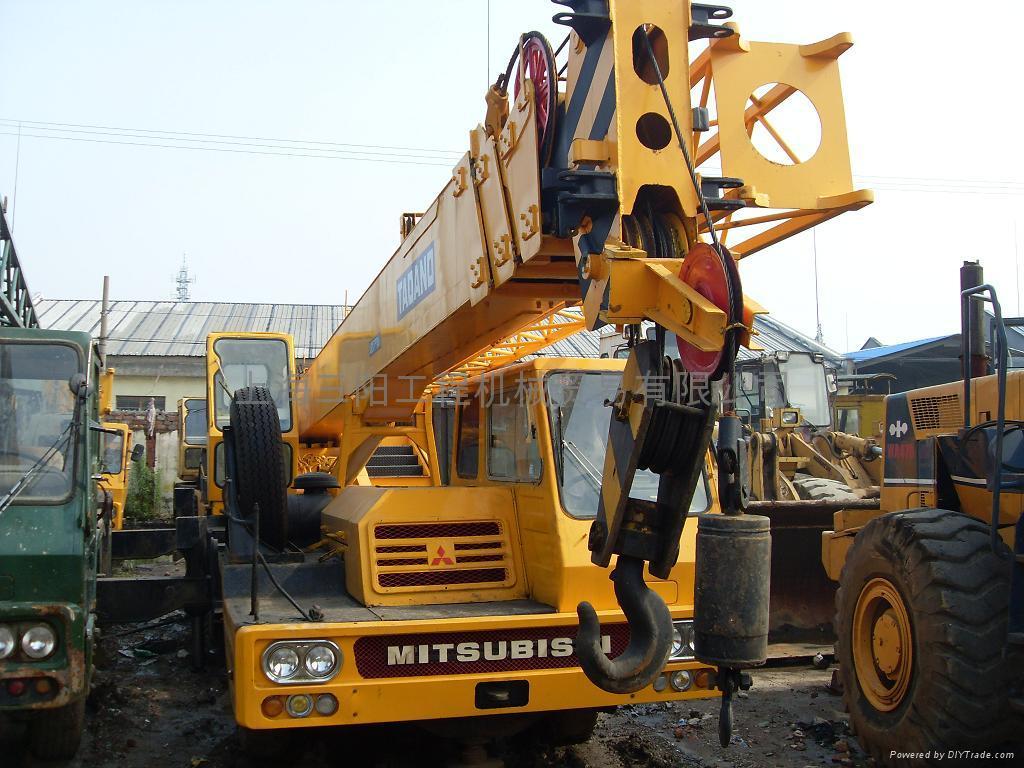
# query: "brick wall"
[[166, 421]]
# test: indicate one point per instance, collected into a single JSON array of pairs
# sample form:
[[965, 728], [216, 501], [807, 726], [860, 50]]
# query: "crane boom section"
[[577, 190], [16, 307]]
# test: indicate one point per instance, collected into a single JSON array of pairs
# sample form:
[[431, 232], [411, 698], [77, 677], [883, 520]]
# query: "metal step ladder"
[[394, 461]]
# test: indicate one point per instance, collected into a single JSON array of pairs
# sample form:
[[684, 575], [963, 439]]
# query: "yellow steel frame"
[[811, 190], [530, 339]]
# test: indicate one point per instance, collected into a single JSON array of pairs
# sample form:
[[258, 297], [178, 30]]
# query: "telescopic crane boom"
[[587, 189]]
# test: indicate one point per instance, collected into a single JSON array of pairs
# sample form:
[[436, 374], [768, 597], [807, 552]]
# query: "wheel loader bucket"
[[802, 598]]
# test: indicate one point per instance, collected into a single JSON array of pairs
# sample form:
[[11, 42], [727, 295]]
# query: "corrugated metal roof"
[[179, 328], [862, 355], [776, 336]]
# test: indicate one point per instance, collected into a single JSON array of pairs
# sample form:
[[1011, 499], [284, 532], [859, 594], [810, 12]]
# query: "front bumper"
[[52, 682], [437, 691]]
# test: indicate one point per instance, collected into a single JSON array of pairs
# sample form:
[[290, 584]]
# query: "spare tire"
[[260, 476]]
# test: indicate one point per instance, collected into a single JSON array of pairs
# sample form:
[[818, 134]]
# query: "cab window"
[[512, 452], [467, 463], [579, 432]]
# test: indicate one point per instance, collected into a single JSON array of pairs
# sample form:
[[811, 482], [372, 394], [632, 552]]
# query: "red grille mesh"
[[400, 561], [394, 548], [436, 530], [478, 545], [440, 578], [371, 653], [496, 557]]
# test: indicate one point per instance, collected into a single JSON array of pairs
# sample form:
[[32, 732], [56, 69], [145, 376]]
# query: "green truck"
[[51, 524]]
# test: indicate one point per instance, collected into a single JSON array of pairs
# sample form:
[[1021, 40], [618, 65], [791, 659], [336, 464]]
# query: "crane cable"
[[735, 309]]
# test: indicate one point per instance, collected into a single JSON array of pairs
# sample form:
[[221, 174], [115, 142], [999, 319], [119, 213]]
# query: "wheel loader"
[[930, 606]]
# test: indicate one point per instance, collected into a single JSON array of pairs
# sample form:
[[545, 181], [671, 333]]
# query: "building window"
[[139, 402]]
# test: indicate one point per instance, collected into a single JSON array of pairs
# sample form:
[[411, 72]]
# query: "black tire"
[[813, 488], [265, 747], [259, 463], [564, 729], [55, 734], [956, 592]]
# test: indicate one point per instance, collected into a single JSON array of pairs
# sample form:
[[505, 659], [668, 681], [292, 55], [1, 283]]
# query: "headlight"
[[281, 663], [38, 642], [682, 640], [301, 661], [7, 641], [320, 661]]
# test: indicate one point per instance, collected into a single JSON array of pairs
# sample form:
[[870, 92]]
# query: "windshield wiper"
[[560, 454], [43, 460], [589, 470]]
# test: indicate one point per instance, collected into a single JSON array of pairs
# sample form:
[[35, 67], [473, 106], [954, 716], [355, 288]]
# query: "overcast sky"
[[932, 102]]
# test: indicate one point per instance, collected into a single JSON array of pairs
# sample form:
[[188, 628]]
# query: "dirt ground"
[[149, 709]]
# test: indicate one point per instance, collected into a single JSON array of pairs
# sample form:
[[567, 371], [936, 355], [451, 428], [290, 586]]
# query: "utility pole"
[[818, 336], [104, 313]]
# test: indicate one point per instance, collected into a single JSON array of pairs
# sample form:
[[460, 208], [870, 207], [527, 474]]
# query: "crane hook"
[[650, 634]]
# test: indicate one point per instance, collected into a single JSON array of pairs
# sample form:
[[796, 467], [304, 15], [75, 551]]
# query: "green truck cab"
[[50, 535]]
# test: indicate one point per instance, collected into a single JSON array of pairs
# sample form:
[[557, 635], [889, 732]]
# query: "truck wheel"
[[259, 463], [563, 729], [822, 489], [54, 734], [265, 746], [921, 624]]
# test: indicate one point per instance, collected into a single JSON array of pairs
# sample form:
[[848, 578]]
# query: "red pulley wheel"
[[704, 271], [537, 58]]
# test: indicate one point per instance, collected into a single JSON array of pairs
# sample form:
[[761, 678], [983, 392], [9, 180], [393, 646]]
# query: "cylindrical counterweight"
[[730, 612]]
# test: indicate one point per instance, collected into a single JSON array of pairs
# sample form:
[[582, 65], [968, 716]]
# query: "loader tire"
[[813, 488], [921, 625], [55, 734], [259, 463]]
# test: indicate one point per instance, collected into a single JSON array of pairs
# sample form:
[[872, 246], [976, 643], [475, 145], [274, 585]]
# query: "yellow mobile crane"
[[458, 596]]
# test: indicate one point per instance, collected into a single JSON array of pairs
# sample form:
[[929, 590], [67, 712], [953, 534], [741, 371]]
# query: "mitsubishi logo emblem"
[[898, 429], [441, 558]]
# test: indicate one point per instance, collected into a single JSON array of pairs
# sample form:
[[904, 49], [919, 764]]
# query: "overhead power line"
[[229, 144], [326, 156], [399, 155], [157, 133]]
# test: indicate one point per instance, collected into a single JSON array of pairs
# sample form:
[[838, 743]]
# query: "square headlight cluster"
[[682, 641], [35, 640], [301, 661]]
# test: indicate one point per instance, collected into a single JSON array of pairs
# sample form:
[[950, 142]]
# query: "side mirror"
[[138, 452], [77, 384]]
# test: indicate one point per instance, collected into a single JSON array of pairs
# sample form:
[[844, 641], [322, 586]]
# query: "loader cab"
[[190, 487], [859, 405], [192, 437], [115, 452], [774, 386], [236, 360]]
